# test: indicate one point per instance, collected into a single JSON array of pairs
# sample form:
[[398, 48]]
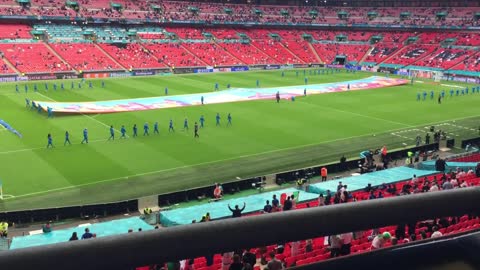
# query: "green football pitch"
[[265, 137]]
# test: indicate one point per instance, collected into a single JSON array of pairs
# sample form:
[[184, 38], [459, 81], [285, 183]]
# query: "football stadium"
[[239, 134]]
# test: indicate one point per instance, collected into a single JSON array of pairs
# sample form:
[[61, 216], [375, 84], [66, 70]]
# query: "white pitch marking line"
[[86, 115]]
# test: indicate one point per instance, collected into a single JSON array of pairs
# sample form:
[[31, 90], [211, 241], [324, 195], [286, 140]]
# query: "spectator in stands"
[[249, 258], [87, 234], [237, 263], [237, 212], [47, 228], [340, 186], [434, 187], [295, 248], [394, 241], [294, 202], [274, 263], [321, 200], [423, 235], [287, 204], [400, 231], [74, 237], [328, 198], [335, 245], [436, 233], [440, 165], [380, 240], [447, 185], [346, 240], [227, 259], [368, 188], [477, 170], [267, 208], [275, 203], [217, 192]]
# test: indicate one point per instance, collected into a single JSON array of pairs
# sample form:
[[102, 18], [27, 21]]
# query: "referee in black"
[[196, 130]]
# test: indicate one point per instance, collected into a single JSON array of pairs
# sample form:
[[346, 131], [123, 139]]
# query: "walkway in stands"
[[219, 209], [375, 178], [102, 229]]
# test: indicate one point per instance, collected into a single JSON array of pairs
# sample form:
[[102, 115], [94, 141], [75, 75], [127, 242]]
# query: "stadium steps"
[[57, 55], [461, 62], [315, 53], [394, 54], [227, 52], [109, 56], [10, 65], [193, 55], [366, 54], [262, 52], [290, 51]]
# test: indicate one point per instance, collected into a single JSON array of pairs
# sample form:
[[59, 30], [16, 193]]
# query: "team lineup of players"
[[146, 130], [443, 93]]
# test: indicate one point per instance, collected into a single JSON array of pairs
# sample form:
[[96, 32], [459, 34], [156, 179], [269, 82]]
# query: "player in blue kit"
[[229, 118], [155, 128], [103, 84], [54, 87], [123, 130], [185, 124], [85, 136], [67, 139], [424, 95], [217, 119], [216, 87], [16, 88], [258, 83], [90, 85], [170, 126], [135, 130], [145, 129], [166, 91], [432, 94], [35, 88], [202, 121], [112, 134], [419, 96], [50, 141], [62, 86]]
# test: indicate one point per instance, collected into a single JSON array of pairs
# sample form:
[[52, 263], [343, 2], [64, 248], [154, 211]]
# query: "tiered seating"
[[328, 52], [411, 54], [13, 11], [84, 56], [381, 52], [444, 58], [32, 58], [15, 31], [467, 39], [361, 243], [301, 49], [4, 68], [150, 32], [470, 158], [472, 63], [186, 33], [247, 53], [223, 33], [275, 50], [132, 56], [173, 55], [211, 54]]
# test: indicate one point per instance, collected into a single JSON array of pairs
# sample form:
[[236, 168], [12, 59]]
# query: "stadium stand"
[[85, 56], [33, 57]]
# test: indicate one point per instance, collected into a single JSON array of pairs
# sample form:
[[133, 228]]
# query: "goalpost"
[[437, 76]]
